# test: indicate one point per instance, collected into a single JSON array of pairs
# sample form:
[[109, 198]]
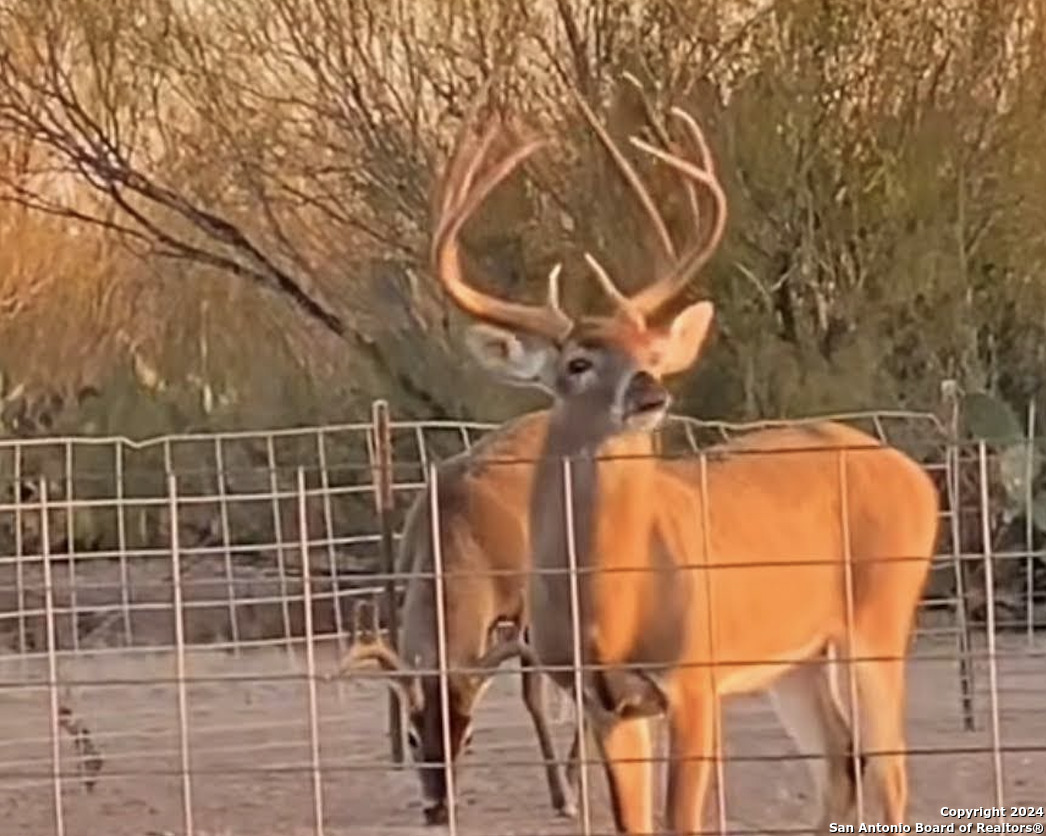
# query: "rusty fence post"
[[384, 501]]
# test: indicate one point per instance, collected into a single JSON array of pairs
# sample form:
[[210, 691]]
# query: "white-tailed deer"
[[696, 581], [485, 560]]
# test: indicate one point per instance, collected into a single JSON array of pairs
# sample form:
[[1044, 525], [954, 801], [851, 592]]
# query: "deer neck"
[[607, 470], [608, 474]]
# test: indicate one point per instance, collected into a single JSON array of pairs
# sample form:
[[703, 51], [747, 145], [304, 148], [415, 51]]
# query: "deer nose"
[[645, 393]]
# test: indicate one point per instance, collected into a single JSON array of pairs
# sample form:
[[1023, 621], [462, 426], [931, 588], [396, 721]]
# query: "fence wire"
[[172, 614]]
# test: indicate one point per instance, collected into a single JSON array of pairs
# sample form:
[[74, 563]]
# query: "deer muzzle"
[[645, 401]]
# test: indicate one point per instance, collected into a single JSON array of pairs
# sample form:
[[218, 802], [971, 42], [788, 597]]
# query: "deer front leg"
[[692, 751], [534, 699], [627, 759], [574, 762]]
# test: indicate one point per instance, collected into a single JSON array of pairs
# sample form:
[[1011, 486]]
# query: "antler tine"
[[553, 286], [470, 150], [461, 198], [697, 255], [469, 196], [624, 304], [456, 201], [370, 651], [454, 180], [667, 143], [375, 650], [707, 162], [648, 109], [630, 175]]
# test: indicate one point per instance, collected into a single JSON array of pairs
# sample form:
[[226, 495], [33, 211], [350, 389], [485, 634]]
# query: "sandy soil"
[[252, 775]]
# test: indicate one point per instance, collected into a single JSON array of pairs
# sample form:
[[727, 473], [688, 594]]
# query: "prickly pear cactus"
[[1019, 459], [990, 419]]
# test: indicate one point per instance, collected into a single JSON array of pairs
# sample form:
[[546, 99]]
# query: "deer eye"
[[578, 365]]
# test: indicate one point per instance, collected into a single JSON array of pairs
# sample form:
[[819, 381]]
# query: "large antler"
[[460, 194], [641, 305], [462, 190]]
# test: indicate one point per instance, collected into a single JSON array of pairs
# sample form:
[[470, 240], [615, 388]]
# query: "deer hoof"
[[567, 809], [436, 815]]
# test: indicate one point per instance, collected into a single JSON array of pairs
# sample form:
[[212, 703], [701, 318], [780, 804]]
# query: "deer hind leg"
[[805, 705], [627, 759], [881, 694], [574, 762], [534, 699], [693, 748]]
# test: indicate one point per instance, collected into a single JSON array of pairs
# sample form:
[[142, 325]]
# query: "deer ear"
[[685, 336], [518, 359]]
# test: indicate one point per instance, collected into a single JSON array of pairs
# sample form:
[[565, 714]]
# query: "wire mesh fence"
[[173, 613]]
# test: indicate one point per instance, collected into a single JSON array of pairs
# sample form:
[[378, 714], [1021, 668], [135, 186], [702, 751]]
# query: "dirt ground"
[[252, 775]]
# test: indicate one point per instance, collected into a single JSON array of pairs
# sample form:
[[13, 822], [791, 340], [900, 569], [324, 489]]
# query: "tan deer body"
[[798, 499], [685, 564], [748, 610]]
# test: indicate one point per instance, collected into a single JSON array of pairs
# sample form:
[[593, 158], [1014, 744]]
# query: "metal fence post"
[[178, 611], [384, 503], [52, 658], [310, 655], [953, 465]]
